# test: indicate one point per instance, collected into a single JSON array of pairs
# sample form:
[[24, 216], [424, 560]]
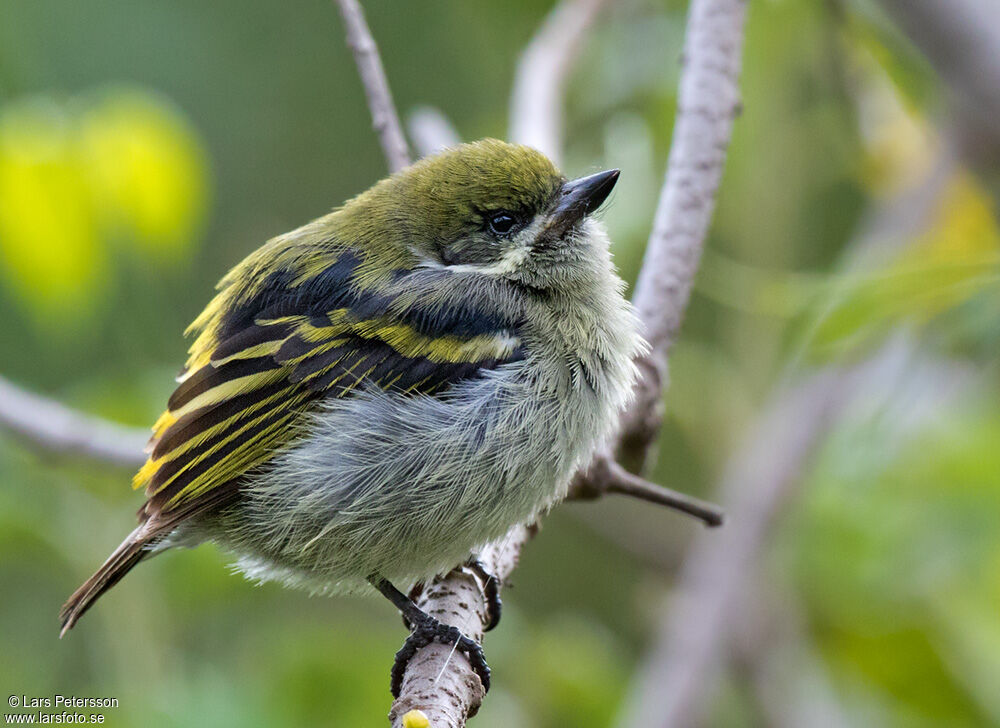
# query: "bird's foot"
[[426, 630]]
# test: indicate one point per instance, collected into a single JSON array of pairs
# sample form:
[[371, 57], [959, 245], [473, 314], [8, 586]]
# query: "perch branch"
[[708, 103], [60, 429], [383, 111], [438, 682], [536, 102]]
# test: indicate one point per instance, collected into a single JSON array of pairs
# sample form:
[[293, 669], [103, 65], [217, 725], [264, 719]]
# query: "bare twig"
[[707, 106], [60, 429], [383, 111], [431, 131], [536, 103]]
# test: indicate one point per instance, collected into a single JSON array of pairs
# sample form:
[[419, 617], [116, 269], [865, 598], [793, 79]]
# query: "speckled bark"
[[439, 682]]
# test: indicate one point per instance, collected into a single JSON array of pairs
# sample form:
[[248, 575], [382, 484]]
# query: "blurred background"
[[146, 146]]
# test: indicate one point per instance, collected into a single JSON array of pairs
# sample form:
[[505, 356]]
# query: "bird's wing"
[[271, 348]]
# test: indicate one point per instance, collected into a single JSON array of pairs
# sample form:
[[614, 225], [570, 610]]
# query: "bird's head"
[[488, 208]]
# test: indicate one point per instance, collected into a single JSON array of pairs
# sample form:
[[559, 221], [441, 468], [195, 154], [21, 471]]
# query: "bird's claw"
[[491, 592]]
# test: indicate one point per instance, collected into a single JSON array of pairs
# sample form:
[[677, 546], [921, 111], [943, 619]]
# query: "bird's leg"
[[415, 594], [491, 591], [424, 630], [490, 587]]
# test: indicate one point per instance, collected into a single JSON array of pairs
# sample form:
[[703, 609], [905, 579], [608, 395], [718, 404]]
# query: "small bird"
[[371, 397]]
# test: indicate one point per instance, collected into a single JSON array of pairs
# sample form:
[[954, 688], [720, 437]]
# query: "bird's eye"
[[502, 223]]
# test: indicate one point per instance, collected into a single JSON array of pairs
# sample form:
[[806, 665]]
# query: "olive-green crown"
[[441, 197]]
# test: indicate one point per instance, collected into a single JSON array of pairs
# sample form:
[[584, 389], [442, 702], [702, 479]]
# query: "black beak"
[[580, 197]]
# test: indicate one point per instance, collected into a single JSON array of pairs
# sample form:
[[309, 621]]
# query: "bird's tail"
[[132, 550]]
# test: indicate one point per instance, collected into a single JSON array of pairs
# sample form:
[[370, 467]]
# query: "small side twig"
[[605, 476], [383, 111]]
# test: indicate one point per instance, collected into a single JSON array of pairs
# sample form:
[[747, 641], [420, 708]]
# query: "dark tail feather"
[[131, 552]]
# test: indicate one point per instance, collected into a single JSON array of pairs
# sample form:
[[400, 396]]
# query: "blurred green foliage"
[[147, 146]]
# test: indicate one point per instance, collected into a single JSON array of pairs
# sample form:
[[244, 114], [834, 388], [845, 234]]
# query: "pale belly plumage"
[[408, 486]]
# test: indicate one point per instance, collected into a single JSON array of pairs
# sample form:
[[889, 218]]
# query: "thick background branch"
[[686, 650], [696, 630], [431, 131], [789, 681], [961, 39]]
